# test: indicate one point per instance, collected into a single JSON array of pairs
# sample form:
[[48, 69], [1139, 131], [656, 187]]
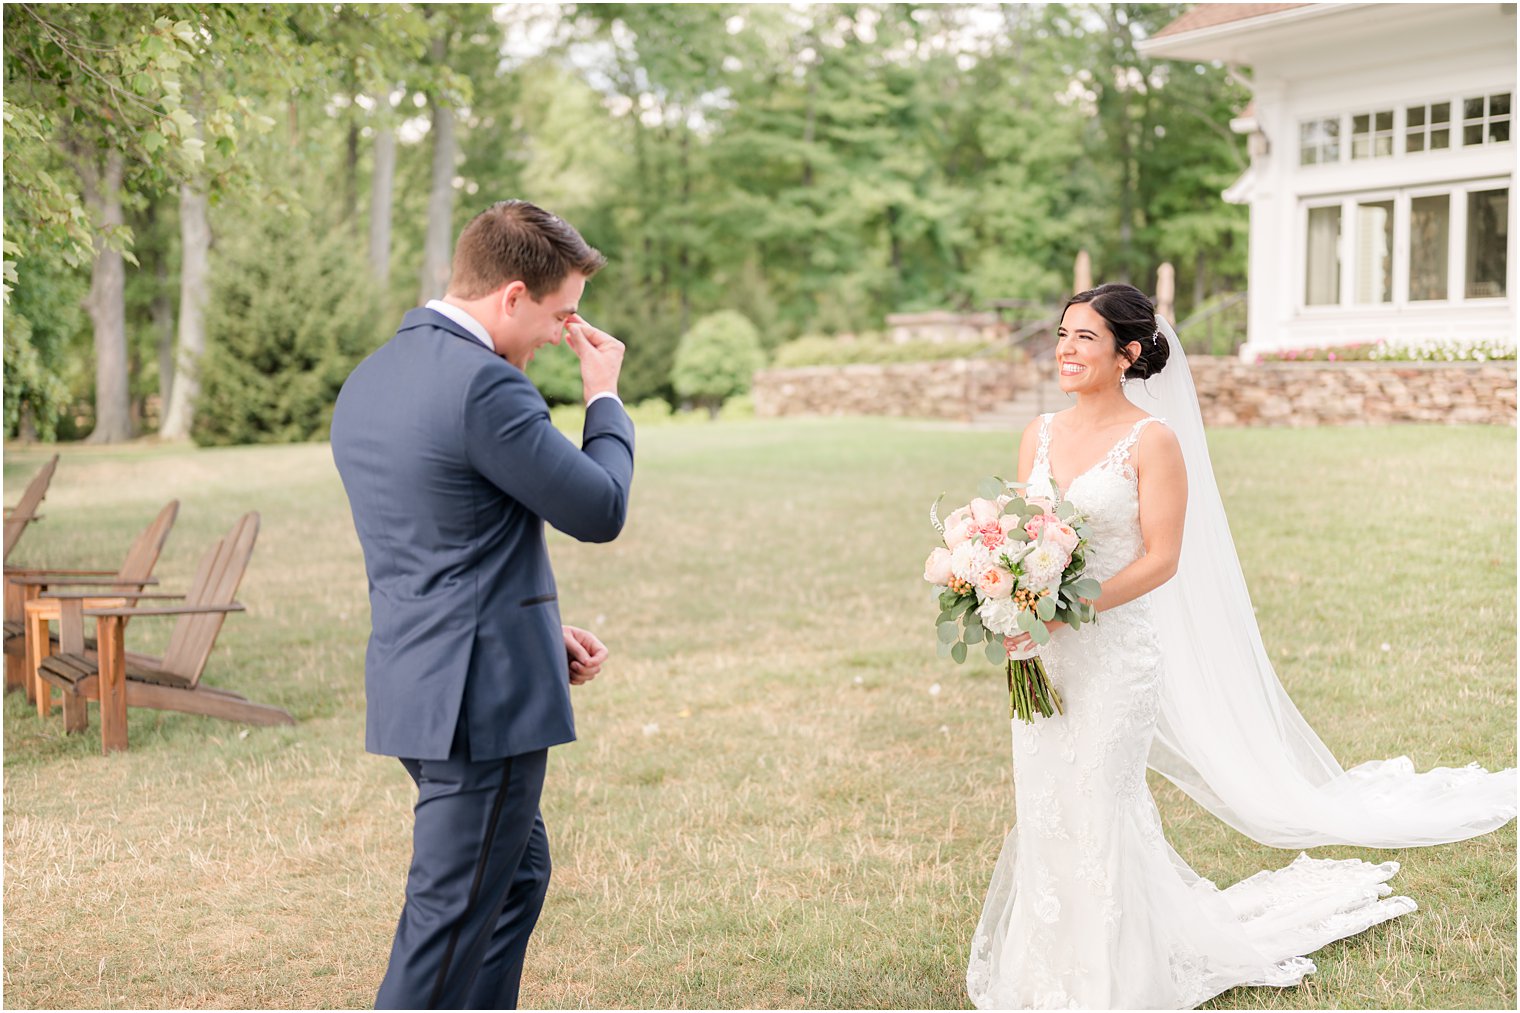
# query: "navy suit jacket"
[[451, 468]]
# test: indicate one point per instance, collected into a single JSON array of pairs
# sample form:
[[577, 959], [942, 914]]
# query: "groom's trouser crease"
[[480, 868]]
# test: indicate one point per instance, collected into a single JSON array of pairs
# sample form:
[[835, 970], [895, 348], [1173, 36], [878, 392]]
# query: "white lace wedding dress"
[[1089, 906]]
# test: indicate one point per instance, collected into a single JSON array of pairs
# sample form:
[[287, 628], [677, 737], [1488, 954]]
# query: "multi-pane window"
[[1487, 242], [1372, 134], [1319, 141], [1322, 285], [1374, 251], [1485, 119], [1429, 246], [1427, 127]]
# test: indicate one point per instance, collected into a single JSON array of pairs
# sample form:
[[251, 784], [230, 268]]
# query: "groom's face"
[[528, 324]]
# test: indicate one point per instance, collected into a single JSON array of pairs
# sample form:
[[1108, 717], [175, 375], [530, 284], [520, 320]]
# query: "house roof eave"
[[1224, 41]]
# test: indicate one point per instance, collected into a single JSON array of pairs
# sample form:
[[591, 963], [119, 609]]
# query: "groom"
[[451, 469]]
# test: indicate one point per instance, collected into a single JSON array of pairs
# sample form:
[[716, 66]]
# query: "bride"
[[1089, 906]]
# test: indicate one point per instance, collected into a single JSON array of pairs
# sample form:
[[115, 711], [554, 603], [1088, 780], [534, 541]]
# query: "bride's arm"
[[1028, 444], [1163, 506]]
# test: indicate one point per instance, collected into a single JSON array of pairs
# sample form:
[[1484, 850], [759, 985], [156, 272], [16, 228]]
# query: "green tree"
[[717, 359], [288, 321]]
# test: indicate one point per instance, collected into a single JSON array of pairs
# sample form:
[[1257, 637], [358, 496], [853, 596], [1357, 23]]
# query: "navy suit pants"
[[480, 869]]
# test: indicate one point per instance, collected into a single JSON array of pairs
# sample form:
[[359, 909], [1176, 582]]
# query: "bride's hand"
[[1023, 642]]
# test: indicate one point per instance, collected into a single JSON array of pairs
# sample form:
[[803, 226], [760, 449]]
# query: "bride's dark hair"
[[1131, 317]]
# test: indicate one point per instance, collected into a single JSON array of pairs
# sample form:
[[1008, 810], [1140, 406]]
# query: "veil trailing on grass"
[[1228, 734]]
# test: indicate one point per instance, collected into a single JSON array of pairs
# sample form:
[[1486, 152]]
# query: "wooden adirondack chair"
[[23, 586], [25, 510], [120, 679]]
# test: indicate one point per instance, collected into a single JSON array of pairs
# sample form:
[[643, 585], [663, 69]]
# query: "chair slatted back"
[[26, 507], [142, 557], [216, 582]]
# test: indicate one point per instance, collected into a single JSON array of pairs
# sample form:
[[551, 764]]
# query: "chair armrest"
[[42, 580], [119, 594], [43, 571], [182, 610]]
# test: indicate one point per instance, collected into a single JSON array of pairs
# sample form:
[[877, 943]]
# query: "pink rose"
[[995, 582], [984, 512], [1037, 523], [937, 567], [991, 536], [1053, 530]]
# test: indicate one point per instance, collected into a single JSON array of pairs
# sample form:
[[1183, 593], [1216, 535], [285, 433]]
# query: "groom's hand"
[[586, 654], [600, 353]]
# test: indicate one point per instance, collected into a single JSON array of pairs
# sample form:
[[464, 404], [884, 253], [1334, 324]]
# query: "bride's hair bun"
[[1152, 358], [1132, 318]]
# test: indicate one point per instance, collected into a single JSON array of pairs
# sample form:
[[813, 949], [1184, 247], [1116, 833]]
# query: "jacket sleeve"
[[509, 439]]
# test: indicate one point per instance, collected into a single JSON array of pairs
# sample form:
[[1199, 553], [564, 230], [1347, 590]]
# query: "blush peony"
[[937, 567]]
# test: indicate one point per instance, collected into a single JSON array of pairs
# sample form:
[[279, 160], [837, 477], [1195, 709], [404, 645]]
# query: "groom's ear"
[[511, 296]]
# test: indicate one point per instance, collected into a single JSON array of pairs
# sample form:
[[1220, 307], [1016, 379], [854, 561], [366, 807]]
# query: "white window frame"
[[1456, 244], [1342, 139], [1372, 134], [1461, 106], [1342, 293], [1456, 248], [1459, 289], [1453, 126]]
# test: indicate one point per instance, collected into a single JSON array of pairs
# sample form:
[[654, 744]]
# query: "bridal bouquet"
[[1010, 563]]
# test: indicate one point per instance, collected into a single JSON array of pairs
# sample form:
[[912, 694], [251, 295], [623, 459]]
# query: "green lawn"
[[767, 805]]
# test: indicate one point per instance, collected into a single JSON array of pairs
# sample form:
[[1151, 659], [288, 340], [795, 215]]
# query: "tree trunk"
[[351, 171], [381, 199], [440, 219], [107, 305], [163, 322], [194, 276]]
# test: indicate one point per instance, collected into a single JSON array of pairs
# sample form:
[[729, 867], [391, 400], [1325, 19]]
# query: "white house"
[[1382, 160]]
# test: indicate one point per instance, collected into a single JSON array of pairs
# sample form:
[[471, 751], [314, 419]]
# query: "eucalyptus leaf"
[[1064, 510], [949, 633], [990, 488], [1046, 609], [1028, 623], [943, 649], [958, 652], [974, 634], [995, 651], [960, 608], [945, 617], [1040, 634]]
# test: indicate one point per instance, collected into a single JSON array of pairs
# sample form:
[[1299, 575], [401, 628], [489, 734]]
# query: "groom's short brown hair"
[[513, 240]]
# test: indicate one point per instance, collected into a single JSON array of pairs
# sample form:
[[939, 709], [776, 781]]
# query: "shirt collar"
[[463, 319]]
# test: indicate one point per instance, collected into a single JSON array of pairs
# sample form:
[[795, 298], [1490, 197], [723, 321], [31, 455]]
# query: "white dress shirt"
[[476, 328]]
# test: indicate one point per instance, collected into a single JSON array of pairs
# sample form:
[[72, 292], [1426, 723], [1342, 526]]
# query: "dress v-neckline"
[[1050, 471]]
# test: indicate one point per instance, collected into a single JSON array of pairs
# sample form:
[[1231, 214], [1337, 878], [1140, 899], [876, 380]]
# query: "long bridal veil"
[[1228, 734]]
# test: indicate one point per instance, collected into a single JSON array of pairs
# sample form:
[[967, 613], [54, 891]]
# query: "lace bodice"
[[1108, 493]]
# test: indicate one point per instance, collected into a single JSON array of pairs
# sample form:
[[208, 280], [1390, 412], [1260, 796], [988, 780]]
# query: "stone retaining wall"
[[948, 389], [1298, 394], [1231, 392]]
